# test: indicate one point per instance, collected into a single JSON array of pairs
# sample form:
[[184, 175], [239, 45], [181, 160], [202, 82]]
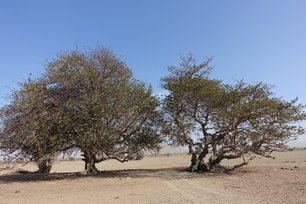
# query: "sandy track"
[[161, 180]]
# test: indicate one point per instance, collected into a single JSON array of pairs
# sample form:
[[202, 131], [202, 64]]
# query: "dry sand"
[[160, 179]]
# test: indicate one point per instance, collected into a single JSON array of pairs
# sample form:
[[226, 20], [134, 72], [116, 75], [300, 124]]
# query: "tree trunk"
[[197, 162], [90, 162], [44, 166]]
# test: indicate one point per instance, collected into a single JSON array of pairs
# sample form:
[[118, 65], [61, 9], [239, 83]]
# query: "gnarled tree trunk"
[[197, 162], [44, 166], [90, 162]]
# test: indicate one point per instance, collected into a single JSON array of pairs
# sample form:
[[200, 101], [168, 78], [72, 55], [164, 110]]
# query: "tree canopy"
[[224, 121], [87, 101], [30, 126]]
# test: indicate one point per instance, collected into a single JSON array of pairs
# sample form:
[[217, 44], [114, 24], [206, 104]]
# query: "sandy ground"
[[160, 179]]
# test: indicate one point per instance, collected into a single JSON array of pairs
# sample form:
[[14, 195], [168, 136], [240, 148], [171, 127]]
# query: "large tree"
[[223, 121], [86, 101], [110, 114]]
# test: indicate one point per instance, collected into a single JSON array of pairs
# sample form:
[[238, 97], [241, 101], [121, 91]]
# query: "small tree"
[[224, 121], [29, 129]]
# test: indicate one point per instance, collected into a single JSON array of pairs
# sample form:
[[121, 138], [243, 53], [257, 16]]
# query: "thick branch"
[[235, 166]]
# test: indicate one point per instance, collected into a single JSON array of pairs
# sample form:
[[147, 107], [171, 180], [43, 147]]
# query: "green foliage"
[[109, 110], [29, 125], [90, 101], [86, 100], [228, 121]]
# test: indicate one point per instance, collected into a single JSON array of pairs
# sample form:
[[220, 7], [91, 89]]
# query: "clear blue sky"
[[262, 40]]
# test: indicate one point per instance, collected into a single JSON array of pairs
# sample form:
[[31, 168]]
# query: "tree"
[[29, 129], [222, 121], [86, 101], [110, 115]]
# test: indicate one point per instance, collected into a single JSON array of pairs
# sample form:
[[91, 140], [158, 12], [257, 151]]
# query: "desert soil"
[[159, 179]]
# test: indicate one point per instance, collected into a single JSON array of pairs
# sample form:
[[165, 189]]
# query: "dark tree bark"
[[44, 166], [90, 162], [197, 162]]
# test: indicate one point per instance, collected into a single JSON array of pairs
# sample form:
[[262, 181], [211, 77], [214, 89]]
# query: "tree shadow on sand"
[[163, 173]]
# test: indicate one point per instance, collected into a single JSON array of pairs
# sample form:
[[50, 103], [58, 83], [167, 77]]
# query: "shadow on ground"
[[165, 173]]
